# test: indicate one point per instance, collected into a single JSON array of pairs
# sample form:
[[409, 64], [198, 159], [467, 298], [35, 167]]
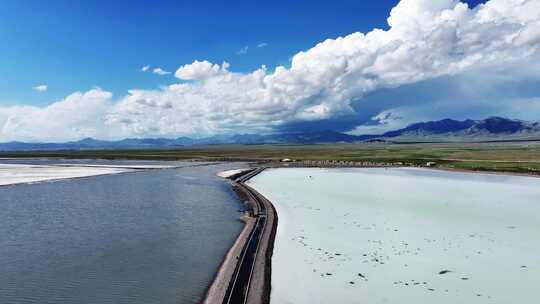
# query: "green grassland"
[[519, 157]]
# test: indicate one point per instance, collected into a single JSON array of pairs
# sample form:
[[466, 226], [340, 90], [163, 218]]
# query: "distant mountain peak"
[[493, 127], [500, 125], [433, 127], [444, 130]]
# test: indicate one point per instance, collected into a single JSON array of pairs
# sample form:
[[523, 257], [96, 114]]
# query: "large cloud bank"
[[426, 39]]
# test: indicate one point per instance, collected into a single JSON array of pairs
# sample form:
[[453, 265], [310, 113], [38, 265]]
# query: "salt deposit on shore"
[[120, 166], [19, 173], [403, 236], [229, 173]]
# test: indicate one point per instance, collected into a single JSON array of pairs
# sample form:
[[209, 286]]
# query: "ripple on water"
[[145, 237]]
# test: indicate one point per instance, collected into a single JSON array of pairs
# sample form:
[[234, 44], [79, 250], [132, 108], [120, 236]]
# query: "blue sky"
[[94, 50], [75, 45]]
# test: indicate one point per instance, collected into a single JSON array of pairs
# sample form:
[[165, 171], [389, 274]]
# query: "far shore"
[[12, 174], [514, 157], [337, 165], [530, 174], [27, 173], [441, 168]]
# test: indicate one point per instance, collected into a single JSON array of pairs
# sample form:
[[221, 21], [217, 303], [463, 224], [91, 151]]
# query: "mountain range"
[[445, 130], [449, 130]]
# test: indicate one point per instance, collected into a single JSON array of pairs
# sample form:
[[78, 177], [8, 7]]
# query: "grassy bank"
[[519, 157]]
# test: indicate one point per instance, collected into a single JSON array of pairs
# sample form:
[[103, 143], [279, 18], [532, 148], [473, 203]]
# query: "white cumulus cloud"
[[160, 71], [426, 39], [200, 70], [41, 88], [79, 115], [145, 68]]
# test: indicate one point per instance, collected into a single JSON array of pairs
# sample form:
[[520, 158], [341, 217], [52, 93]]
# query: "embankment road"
[[244, 276]]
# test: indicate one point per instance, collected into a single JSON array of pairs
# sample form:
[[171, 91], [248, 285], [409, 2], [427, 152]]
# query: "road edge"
[[259, 286]]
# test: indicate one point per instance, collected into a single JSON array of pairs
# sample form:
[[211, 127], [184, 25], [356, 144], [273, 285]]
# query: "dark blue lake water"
[[155, 236]]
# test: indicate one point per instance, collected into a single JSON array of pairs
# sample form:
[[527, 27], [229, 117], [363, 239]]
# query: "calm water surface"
[[155, 236]]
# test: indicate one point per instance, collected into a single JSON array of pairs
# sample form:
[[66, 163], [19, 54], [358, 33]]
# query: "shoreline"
[[42, 172], [245, 272], [449, 169], [11, 175], [438, 168], [441, 163], [337, 165], [215, 293]]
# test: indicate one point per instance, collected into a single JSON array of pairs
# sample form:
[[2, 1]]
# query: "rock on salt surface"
[[399, 228]]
